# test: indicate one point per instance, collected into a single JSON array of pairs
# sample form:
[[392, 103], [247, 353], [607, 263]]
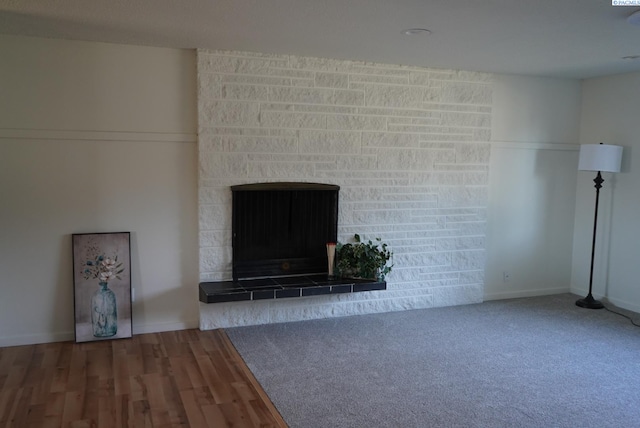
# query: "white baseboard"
[[32, 339], [165, 326], [605, 299], [621, 304], [525, 293]]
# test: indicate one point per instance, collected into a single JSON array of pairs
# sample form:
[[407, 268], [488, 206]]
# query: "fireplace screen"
[[281, 229]]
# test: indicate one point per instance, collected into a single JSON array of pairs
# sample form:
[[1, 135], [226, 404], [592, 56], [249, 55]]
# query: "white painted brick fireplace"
[[408, 146]]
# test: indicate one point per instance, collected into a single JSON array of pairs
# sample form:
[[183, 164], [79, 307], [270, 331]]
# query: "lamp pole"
[[589, 302]]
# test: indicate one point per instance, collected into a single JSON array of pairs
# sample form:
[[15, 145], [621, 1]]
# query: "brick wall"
[[408, 146]]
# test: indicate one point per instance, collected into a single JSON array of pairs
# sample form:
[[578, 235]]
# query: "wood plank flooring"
[[188, 378]]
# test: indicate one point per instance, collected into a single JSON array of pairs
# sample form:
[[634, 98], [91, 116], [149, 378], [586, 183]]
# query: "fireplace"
[[281, 229], [279, 237]]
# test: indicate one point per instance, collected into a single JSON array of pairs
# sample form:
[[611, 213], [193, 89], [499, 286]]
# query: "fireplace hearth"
[[279, 236]]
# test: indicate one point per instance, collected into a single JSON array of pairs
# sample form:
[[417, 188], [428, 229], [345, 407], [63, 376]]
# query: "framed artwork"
[[102, 286]]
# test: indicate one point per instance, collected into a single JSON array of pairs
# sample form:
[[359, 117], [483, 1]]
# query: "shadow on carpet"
[[530, 362]]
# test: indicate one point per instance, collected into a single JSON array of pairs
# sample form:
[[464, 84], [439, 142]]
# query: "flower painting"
[[102, 286]]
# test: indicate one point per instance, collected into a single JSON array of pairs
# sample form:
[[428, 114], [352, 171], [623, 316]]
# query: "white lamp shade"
[[600, 157]]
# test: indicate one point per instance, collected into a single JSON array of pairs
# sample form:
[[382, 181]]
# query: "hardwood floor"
[[188, 378]]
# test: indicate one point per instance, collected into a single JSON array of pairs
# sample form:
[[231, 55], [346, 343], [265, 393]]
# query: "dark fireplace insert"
[[281, 229]]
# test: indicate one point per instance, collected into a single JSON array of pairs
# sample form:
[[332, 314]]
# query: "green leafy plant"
[[371, 260]]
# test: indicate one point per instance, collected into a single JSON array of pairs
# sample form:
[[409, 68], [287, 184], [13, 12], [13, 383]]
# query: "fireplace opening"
[[281, 229]]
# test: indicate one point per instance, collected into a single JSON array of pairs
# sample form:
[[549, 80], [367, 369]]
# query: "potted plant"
[[369, 260]]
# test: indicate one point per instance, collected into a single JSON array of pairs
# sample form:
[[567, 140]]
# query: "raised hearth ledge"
[[244, 313], [279, 288]]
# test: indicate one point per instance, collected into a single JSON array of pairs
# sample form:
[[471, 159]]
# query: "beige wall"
[[100, 137], [610, 111], [95, 138], [534, 161]]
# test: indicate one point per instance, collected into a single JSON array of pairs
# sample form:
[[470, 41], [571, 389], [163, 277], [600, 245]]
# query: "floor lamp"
[[601, 158]]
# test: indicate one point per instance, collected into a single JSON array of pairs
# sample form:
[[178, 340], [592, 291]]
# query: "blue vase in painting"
[[104, 314]]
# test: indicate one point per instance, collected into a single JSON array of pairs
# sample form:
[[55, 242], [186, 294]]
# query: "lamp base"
[[589, 302]]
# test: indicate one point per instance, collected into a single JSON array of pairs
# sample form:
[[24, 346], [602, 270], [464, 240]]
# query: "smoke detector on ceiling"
[[416, 31]]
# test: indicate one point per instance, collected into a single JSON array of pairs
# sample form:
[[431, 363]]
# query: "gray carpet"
[[532, 362]]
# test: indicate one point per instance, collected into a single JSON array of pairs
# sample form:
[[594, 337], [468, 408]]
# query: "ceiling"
[[560, 38]]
